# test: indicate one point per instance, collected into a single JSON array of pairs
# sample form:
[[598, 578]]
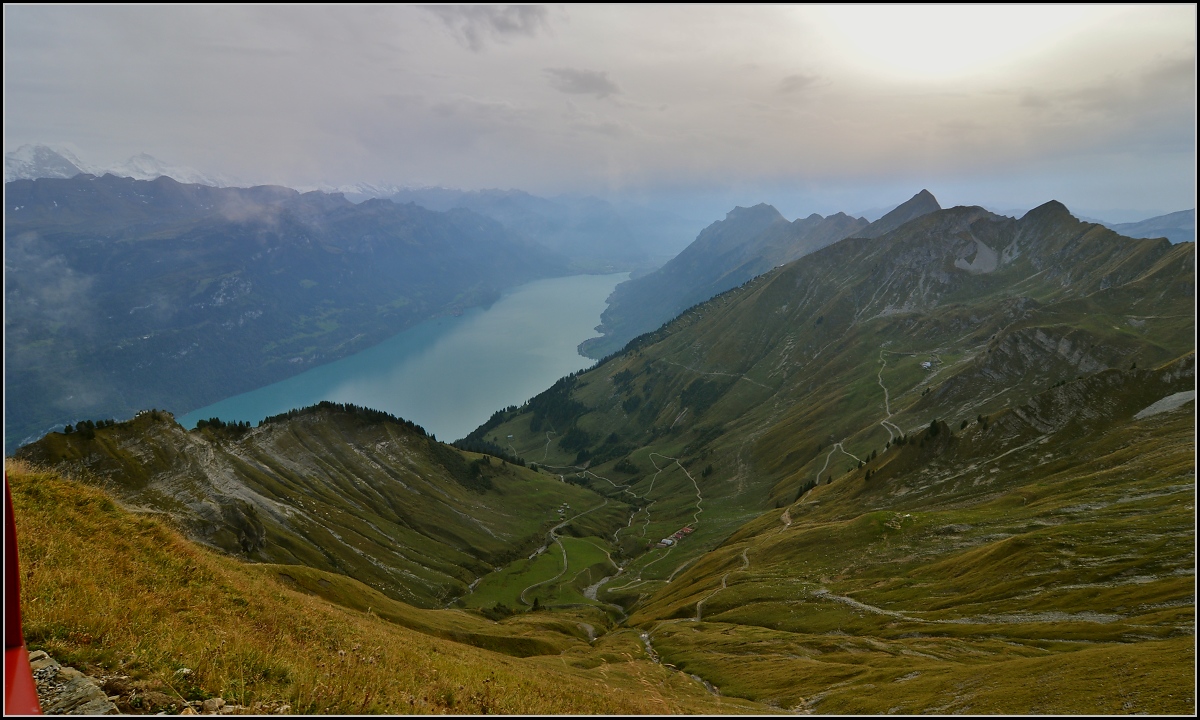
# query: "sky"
[[813, 109]]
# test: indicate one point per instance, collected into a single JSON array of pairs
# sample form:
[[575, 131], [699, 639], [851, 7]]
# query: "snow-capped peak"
[[30, 162], [147, 167]]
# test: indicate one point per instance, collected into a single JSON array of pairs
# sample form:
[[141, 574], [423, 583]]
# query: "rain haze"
[[811, 109]]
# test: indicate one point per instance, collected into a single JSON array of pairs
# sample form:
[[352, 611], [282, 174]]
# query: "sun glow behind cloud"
[[939, 42], [616, 99]]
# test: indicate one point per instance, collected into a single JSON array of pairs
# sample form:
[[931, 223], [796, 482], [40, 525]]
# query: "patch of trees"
[[469, 475], [805, 488], [87, 428], [487, 447], [702, 394], [631, 403], [704, 435], [575, 439], [218, 424], [497, 612], [555, 406], [898, 440], [576, 480], [365, 413], [624, 465], [612, 447]]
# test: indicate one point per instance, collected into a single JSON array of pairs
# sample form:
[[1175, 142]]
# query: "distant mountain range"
[[591, 233], [128, 294], [588, 230], [1177, 227], [747, 243]]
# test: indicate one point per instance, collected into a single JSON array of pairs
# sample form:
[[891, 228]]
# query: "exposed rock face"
[[65, 690]]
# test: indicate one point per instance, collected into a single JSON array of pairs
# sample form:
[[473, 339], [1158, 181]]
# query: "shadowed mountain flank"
[[123, 294]]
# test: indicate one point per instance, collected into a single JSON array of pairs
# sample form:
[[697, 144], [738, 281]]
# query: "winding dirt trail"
[[700, 604], [886, 422], [554, 538], [695, 518], [721, 374], [837, 447]]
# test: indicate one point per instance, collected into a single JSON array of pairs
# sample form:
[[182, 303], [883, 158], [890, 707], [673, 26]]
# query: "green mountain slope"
[[331, 488], [949, 468], [124, 597], [747, 243], [973, 554]]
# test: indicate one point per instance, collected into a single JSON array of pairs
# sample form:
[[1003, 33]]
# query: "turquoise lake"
[[450, 374]]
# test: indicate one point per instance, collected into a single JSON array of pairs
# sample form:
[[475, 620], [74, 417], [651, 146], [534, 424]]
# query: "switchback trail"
[[555, 539], [695, 516]]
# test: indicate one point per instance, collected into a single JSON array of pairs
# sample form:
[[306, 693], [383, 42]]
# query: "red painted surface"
[[20, 694]]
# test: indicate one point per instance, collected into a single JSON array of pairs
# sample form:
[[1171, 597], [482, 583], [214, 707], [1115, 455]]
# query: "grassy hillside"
[[986, 372], [1051, 544], [123, 594], [334, 488], [747, 243]]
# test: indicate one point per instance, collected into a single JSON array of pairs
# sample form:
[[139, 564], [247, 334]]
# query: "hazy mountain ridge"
[[726, 254], [1176, 227], [587, 230], [117, 288]]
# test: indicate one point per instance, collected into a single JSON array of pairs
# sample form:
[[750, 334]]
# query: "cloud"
[[796, 83], [473, 24], [582, 82]]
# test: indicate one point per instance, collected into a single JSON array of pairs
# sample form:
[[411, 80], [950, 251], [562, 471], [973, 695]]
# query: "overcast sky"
[[811, 109]]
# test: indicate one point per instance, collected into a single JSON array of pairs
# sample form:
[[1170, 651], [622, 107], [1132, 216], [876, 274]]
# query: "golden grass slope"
[[118, 592]]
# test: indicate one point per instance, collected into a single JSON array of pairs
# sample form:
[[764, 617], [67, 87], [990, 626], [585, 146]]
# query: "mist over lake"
[[450, 374]]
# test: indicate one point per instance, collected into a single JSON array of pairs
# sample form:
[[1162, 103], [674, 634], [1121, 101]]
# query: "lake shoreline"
[[450, 373]]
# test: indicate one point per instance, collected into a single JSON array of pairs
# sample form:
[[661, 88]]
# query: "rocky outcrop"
[[67, 691]]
